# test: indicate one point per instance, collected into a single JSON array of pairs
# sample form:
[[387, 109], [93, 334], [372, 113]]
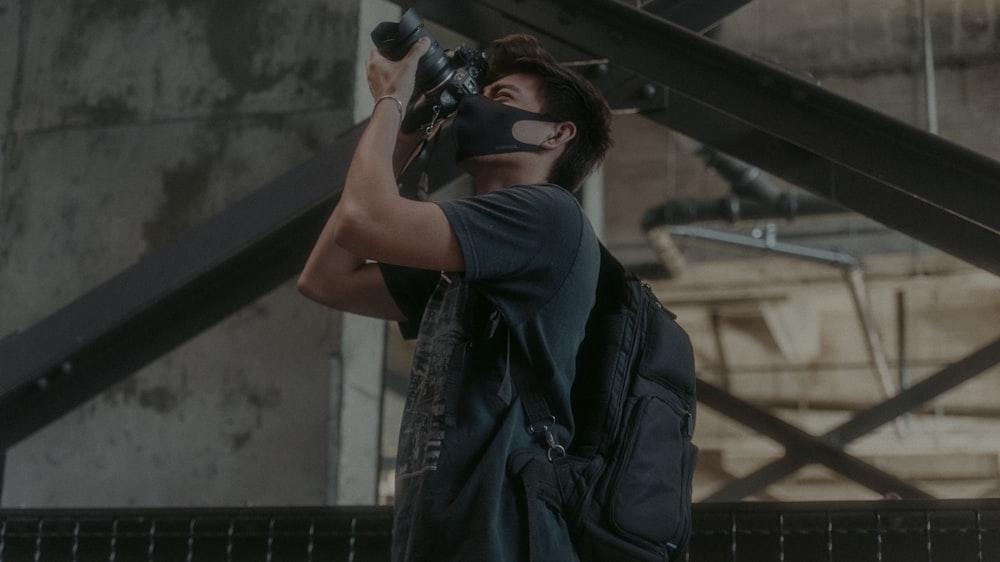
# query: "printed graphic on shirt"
[[436, 366]]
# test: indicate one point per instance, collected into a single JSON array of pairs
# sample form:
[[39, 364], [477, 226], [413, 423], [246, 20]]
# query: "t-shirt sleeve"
[[518, 243], [410, 289]]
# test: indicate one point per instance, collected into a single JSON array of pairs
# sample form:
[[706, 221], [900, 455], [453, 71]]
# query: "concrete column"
[[354, 448], [593, 200], [10, 33], [370, 14], [357, 374]]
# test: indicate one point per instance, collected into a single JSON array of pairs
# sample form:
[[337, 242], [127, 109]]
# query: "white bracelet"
[[399, 104]]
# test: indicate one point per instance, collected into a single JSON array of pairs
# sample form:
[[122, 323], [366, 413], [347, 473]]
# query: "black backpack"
[[624, 483]]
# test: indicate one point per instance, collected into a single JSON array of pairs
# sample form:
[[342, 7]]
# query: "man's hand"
[[372, 221], [395, 78]]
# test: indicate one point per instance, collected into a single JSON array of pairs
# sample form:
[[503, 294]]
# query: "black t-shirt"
[[531, 257]]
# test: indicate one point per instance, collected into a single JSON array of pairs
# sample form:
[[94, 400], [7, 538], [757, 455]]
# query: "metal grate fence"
[[890, 531], [358, 534]]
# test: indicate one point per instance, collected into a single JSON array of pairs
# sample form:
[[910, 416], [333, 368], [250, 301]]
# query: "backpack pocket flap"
[[650, 497]]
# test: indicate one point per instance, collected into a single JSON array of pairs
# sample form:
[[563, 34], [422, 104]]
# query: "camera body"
[[442, 79]]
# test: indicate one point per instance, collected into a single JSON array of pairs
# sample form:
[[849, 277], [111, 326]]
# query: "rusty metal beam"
[[802, 447], [865, 422]]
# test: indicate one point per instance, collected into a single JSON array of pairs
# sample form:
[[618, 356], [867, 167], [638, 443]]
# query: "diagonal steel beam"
[[165, 298], [867, 421], [850, 189], [697, 15], [172, 295], [916, 183], [177, 292], [803, 447]]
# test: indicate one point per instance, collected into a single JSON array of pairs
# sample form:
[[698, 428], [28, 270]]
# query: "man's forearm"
[[371, 178], [330, 269]]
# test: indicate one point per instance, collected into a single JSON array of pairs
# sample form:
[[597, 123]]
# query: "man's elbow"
[[310, 286], [349, 230], [320, 292]]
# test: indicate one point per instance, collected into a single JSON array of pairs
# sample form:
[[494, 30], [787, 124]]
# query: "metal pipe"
[[930, 83], [720, 349], [853, 275], [666, 250], [787, 206], [755, 196], [903, 371], [768, 243], [873, 340], [744, 178]]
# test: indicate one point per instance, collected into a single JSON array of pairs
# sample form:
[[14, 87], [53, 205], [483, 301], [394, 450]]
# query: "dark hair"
[[568, 97]]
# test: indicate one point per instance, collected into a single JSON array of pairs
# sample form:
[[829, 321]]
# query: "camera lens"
[[395, 40]]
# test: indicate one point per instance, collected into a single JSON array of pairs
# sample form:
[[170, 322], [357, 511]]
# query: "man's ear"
[[561, 134]]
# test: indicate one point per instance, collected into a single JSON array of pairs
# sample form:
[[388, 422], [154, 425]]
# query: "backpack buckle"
[[555, 451]]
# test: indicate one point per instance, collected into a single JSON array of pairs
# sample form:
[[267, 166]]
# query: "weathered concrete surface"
[[10, 34], [128, 123], [90, 62], [125, 123], [857, 37], [873, 52], [236, 416]]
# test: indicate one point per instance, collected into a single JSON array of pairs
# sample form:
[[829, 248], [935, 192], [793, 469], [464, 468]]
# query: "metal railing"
[[357, 534], [885, 531]]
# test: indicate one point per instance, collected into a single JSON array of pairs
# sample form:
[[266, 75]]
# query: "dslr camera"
[[443, 78]]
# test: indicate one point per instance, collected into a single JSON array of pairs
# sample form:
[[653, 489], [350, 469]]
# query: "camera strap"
[[421, 155], [423, 184], [431, 128]]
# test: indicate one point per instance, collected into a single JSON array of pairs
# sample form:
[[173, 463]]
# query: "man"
[[504, 277]]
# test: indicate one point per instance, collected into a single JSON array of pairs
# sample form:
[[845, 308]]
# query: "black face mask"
[[483, 126]]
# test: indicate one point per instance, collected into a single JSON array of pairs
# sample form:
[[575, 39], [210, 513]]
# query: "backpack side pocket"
[[649, 496]]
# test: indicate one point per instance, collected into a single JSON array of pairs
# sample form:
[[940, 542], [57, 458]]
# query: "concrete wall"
[[124, 124], [874, 52]]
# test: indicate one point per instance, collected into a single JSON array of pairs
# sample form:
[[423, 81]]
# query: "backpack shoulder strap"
[[611, 274], [536, 409]]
